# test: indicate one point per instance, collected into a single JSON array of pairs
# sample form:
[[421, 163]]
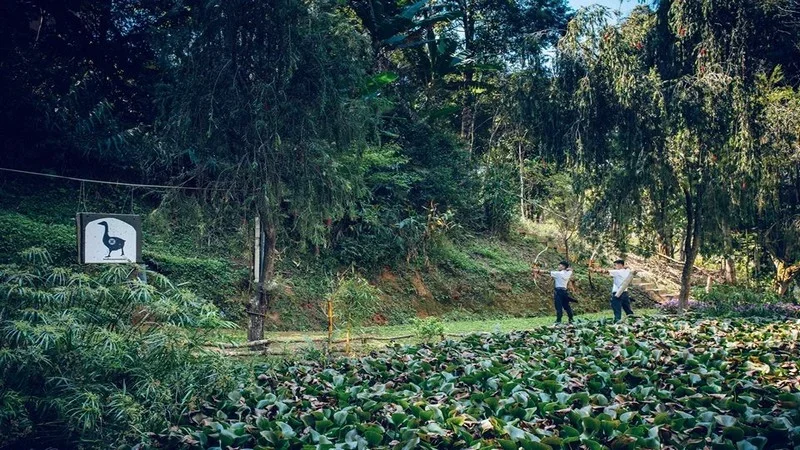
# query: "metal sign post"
[[257, 252]]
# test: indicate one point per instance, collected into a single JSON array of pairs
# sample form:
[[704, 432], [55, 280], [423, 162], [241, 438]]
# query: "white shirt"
[[619, 276], [561, 277]]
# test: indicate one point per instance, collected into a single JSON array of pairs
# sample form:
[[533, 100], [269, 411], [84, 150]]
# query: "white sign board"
[[109, 238]]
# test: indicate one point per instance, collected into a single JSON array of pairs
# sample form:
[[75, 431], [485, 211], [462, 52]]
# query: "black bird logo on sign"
[[112, 243]]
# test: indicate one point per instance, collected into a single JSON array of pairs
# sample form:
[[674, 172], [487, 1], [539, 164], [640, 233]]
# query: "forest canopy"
[[352, 128]]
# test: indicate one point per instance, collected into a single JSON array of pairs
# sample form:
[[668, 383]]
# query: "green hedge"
[[214, 279], [18, 232]]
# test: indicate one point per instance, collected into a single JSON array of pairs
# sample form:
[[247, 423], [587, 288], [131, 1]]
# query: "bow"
[[591, 262], [536, 263]]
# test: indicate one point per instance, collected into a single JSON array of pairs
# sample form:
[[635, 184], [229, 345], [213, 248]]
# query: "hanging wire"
[[82, 198], [115, 183]]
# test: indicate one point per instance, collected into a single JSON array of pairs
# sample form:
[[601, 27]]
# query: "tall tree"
[[261, 107], [773, 198], [79, 78], [719, 52], [666, 110], [500, 35]]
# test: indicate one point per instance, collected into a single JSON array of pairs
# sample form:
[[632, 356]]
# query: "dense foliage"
[[344, 125], [377, 134], [676, 126], [691, 383], [100, 357]]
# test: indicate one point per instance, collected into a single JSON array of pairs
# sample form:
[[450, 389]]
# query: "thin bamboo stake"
[[330, 321], [347, 340]]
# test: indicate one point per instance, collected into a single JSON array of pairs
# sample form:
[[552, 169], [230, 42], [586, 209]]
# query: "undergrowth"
[[99, 357], [660, 382]]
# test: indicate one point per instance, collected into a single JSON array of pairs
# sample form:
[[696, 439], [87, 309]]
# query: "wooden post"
[[521, 183], [330, 322], [257, 251], [347, 340], [264, 272]]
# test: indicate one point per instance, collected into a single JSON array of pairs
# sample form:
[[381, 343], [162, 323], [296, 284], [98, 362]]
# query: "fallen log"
[[303, 341]]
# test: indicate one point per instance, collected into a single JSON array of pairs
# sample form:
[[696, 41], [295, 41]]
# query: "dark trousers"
[[561, 301], [620, 303]]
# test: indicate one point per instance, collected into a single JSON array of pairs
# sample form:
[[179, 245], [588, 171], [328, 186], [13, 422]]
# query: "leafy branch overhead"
[[395, 26]]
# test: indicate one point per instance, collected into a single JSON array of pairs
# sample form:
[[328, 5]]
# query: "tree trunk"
[[785, 274], [730, 270], [468, 118], [665, 246], [468, 109], [756, 274], [664, 232], [260, 301], [691, 246], [522, 211], [730, 264]]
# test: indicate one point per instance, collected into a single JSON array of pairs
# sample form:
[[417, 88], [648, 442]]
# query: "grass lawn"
[[493, 325], [450, 327]]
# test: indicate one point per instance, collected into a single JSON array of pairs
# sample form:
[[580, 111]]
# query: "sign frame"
[[133, 220]]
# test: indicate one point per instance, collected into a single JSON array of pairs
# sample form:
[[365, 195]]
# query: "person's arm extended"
[[599, 270], [632, 272]]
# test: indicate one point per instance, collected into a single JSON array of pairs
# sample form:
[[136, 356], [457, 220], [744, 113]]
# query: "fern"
[[37, 256], [100, 357], [58, 276]]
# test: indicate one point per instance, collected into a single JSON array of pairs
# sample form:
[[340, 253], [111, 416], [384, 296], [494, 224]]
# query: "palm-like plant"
[[99, 355]]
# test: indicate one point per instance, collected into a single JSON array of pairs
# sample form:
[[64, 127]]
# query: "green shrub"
[[445, 253], [383, 228], [500, 199], [355, 301], [215, 279], [428, 329], [18, 232], [182, 225], [98, 359], [723, 295]]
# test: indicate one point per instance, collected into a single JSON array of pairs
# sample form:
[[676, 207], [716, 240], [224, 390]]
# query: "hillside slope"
[[472, 277]]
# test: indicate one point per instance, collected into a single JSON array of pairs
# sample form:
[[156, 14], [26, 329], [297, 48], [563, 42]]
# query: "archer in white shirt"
[[561, 297], [619, 300]]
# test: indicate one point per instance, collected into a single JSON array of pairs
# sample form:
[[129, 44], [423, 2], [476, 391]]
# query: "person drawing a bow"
[[561, 296], [622, 276]]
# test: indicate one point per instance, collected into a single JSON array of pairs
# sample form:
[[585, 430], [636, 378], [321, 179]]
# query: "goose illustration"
[[112, 243]]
